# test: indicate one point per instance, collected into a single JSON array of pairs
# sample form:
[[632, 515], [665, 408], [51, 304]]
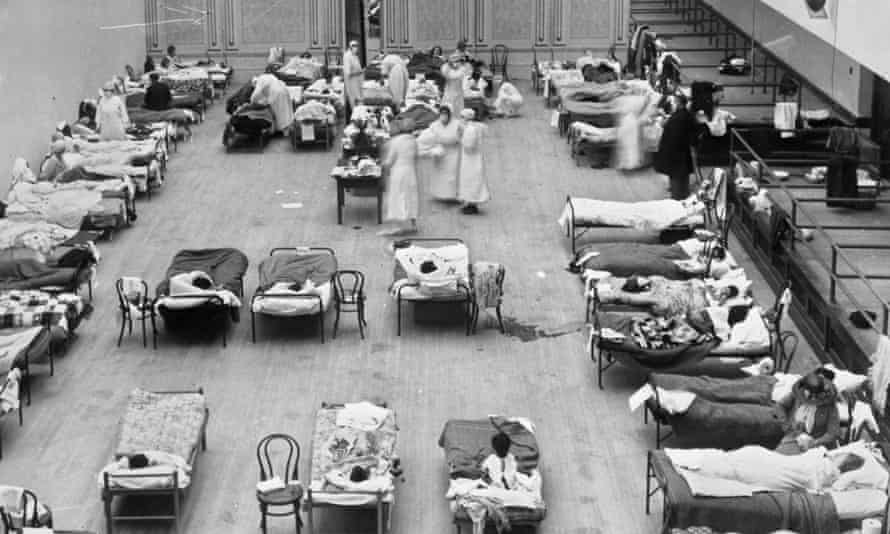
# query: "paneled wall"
[[53, 54], [243, 28], [248, 28]]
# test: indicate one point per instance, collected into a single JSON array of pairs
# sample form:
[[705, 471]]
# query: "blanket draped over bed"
[[679, 357], [762, 513], [340, 444], [225, 266], [296, 268]]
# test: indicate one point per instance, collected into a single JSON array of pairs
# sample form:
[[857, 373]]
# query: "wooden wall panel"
[[588, 20], [512, 22], [189, 36], [435, 22], [273, 21]]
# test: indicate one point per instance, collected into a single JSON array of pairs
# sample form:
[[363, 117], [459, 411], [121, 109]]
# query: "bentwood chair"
[[28, 512], [135, 305], [783, 343], [349, 297], [499, 58], [290, 495]]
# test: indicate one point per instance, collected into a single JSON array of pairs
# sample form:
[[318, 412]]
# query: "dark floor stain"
[[356, 227], [532, 332], [378, 347]]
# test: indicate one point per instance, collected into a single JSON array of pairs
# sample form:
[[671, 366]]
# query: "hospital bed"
[[184, 307], [728, 413], [339, 445], [143, 161], [169, 424], [466, 442], [294, 282], [250, 122], [761, 512], [314, 122], [433, 271], [55, 268], [667, 220]]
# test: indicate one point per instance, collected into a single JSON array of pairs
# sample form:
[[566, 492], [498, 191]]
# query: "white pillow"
[[859, 503], [845, 381], [872, 475]]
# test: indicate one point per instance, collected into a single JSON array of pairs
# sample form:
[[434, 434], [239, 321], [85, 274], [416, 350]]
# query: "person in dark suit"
[[158, 96], [674, 156]]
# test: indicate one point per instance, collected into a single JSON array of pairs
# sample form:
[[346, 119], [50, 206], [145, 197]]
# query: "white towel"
[[880, 373]]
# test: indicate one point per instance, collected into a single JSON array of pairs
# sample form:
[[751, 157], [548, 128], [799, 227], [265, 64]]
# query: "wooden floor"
[[593, 450]]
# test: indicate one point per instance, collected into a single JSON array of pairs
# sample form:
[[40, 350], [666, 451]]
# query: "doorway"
[[880, 115], [363, 25]]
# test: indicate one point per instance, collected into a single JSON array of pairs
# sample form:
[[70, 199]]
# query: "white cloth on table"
[[785, 115], [401, 198], [362, 416], [472, 181]]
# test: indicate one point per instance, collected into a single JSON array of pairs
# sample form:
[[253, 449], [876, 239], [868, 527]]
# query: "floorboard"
[[593, 449]]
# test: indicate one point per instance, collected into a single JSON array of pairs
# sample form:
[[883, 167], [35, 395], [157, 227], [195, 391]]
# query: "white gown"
[[400, 199], [453, 95], [445, 168], [270, 91], [472, 182], [111, 119]]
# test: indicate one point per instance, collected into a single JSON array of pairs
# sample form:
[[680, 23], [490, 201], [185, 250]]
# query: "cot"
[[143, 161], [169, 427], [61, 268], [759, 513], [432, 270], [20, 347], [294, 282], [250, 122], [466, 443], [348, 436], [25, 308], [727, 413], [182, 305], [314, 121], [637, 221]]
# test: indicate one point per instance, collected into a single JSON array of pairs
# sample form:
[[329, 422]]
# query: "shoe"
[[469, 210]]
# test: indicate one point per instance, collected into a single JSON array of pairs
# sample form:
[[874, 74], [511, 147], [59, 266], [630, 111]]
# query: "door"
[[880, 113], [396, 21]]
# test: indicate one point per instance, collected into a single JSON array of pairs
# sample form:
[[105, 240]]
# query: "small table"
[[347, 176]]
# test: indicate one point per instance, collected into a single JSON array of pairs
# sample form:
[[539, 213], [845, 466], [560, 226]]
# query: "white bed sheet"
[[651, 215], [293, 307]]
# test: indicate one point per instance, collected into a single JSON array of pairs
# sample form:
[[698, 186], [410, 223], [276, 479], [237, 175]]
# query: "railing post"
[[886, 317], [832, 292]]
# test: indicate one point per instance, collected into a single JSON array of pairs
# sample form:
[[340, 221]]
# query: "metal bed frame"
[[259, 294], [213, 302], [573, 225], [381, 508], [109, 493], [465, 293], [814, 311]]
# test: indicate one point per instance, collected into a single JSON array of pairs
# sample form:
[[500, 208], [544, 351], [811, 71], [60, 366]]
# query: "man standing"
[[674, 156], [353, 74], [158, 96]]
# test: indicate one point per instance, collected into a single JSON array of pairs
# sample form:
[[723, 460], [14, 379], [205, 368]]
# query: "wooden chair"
[[292, 492], [499, 282], [349, 297], [135, 304], [783, 343], [499, 59]]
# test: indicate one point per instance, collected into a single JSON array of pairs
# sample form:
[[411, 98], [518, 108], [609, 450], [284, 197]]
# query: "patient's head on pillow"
[[500, 443], [138, 461], [358, 474], [817, 386], [737, 314], [848, 462], [202, 281]]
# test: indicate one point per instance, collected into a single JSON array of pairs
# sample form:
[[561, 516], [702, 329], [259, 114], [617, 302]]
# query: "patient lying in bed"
[[147, 470], [752, 469], [196, 284]]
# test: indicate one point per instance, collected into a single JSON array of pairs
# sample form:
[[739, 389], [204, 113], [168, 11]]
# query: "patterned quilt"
[[23, 308], [339, 449], [166, 422]]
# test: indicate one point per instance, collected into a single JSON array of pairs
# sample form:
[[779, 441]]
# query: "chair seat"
[[351, 298], [288, 495]]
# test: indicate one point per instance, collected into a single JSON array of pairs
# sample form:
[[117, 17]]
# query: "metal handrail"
[[835, 280]]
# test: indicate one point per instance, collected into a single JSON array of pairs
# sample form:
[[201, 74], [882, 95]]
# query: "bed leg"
[[657, 433], [379, 515], [648, 481], [176, 506], [252, 325], [109, 522], [399, 316], [321, 323], [599, 369], [144, 333]]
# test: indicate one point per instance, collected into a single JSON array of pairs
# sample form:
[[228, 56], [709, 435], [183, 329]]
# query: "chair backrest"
[[332, 56], [30, 510], [348, 282], [265, 455], [131, 290], [499, 55], [780, 307]]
